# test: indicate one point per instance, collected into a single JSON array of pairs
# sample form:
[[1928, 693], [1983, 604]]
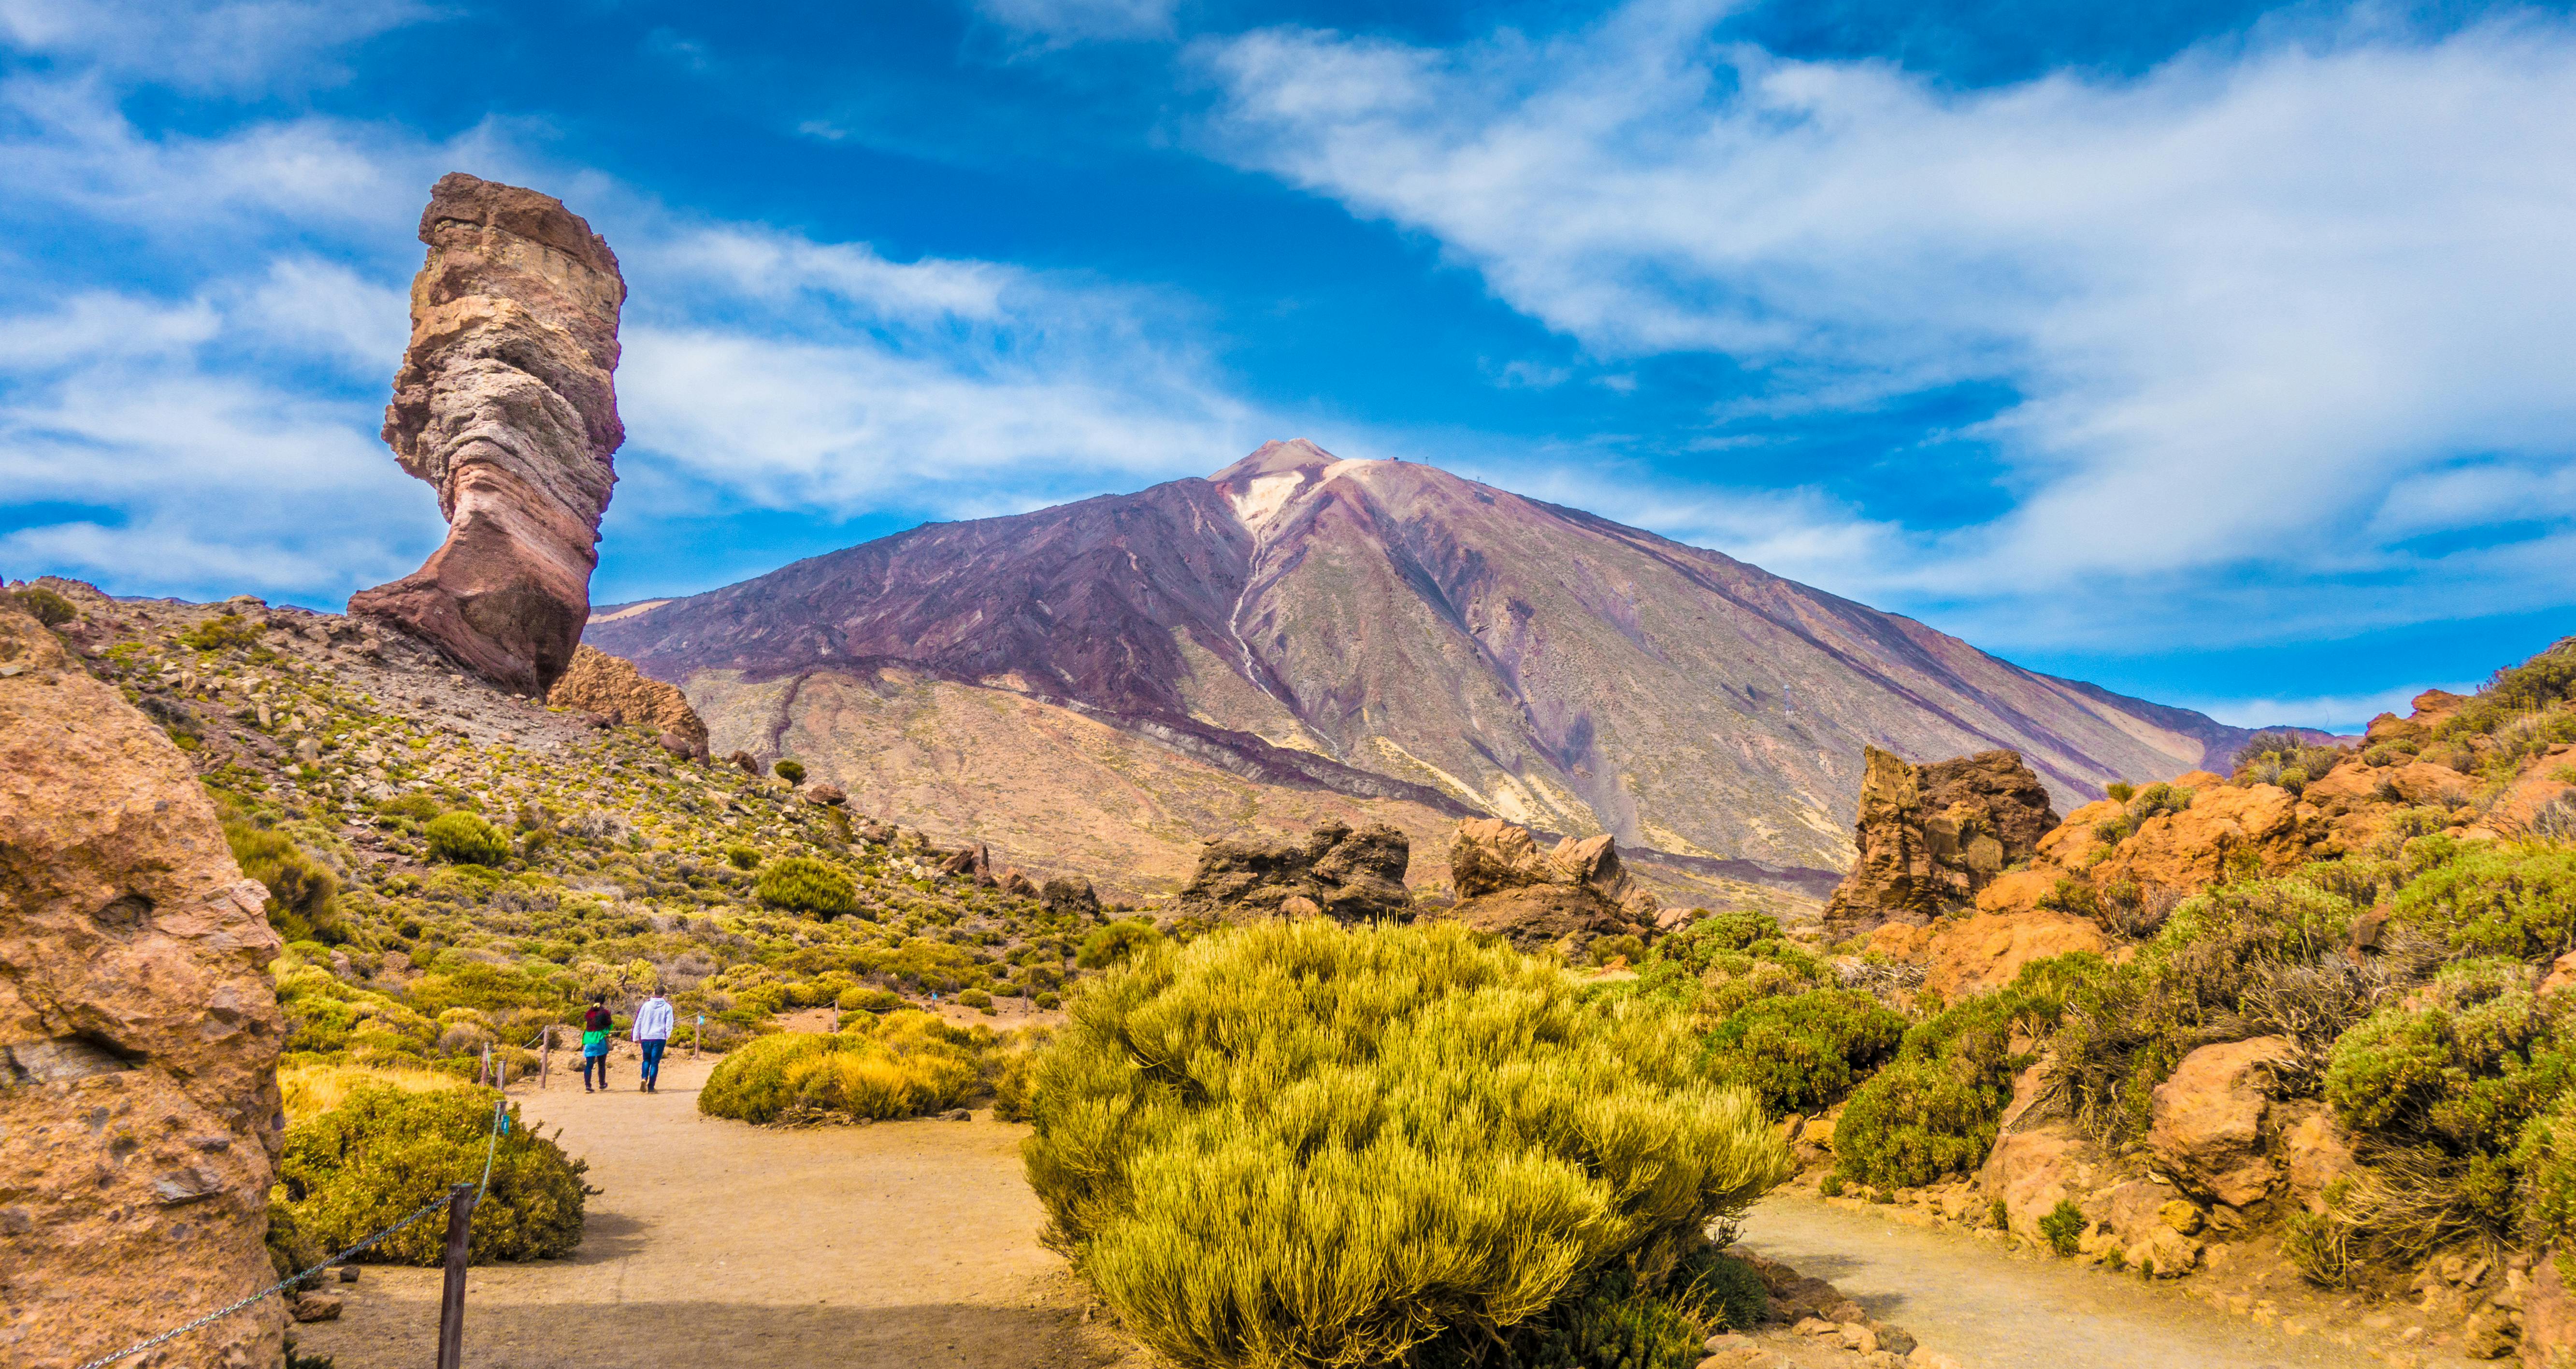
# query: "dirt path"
[[714, 1244], [1993, 1310]]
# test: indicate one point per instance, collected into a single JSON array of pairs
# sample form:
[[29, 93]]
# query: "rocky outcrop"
[[1347, 875], [2208, 1119], [1930, 837], [1567, 897], [139, 1112], [506, 404], [1070, 896], [612, 687]]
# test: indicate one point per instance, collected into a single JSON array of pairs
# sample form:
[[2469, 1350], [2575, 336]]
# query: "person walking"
[[651, 1034], [596, 1025]]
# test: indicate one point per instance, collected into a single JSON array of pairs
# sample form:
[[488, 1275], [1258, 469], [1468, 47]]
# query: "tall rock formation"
[[1931, 836], [139, 1113], [506, 403]]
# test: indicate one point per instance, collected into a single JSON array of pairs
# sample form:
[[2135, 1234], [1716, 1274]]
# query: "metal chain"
[[490, 1150]]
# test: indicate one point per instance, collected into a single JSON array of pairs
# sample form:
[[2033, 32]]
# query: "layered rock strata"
[[506, 404], [139, 1112], [1337, 872], [612, 687], [1930, 837], [1567, 897]]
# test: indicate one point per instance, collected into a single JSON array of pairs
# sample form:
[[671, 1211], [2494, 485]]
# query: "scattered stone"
[[348, 1273], [506, 403], [827, 795], [1069, 894], [313, 1307], [957, 1115]]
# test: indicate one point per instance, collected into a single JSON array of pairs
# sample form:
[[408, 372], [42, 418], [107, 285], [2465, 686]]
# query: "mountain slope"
[[1392, 631]]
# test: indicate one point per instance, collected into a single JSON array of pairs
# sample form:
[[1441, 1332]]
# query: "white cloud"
[[2332, 712], [1060, 22], [205, 45], [2256, 302]]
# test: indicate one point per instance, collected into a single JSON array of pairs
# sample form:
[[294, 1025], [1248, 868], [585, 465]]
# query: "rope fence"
[[491, 1149]]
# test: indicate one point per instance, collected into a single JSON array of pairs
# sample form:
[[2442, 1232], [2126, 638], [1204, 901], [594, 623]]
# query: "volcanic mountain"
[[1298, 633]]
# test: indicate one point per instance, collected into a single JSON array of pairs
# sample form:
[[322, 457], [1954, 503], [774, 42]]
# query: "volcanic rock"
[[1568, 897], [139, 1112], [1072, 894], [1931, 836], [611, 686], [1347, 875], [506, 404]]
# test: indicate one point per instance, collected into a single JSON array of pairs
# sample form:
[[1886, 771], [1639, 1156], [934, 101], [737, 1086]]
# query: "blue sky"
[[2214, 352]]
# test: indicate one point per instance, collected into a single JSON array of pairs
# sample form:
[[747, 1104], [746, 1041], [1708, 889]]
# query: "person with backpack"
[[652, 1033], [596, 1024]]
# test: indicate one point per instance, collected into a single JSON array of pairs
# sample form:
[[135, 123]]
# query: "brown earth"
[[717, 1245], [612, 687]]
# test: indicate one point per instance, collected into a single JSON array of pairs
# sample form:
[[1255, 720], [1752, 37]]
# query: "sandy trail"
[[714, 1244], [1993, 1310]]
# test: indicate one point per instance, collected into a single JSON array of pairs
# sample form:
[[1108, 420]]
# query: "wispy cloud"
[[229, 46], [1059, 22], [2257, 304]]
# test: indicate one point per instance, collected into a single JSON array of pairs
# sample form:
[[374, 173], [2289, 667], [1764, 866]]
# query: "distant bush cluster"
[[901, 1065]]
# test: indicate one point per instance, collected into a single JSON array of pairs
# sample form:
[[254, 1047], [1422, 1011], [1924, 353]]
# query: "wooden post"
[[451, 1300], [546, 1056], [696, 1034]]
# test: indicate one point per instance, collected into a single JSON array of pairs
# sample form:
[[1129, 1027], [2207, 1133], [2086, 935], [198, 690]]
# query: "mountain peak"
[[1296, 456]]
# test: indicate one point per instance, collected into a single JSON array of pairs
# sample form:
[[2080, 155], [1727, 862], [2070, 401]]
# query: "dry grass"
[[311, 1090]]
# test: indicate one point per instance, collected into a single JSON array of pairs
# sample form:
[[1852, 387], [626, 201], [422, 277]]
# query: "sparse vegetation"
[[45, 606], [791, 771], [462, 838]]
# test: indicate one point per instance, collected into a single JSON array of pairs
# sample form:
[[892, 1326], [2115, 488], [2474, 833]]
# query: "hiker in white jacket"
[[652, 1032]]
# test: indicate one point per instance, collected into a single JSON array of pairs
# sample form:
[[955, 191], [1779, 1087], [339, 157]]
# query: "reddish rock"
[[2548, 1317], [2314, 1152], [506, 404], [827, 795], [1569, 896], [1073, 895], [2208, 1119], [1929, 837], [1973, 954], [599, 683], [139, 1112]]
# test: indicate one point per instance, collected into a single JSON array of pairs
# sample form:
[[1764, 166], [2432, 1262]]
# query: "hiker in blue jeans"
[[652, 1033]]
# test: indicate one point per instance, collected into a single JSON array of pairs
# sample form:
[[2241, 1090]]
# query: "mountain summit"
[[1387, 628]]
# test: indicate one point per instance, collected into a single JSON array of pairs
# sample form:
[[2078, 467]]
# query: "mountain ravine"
[[1102, 684]]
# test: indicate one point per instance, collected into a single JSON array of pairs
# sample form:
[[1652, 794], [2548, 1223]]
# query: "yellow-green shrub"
[[900, 1065], [356, 1169], [464, 838], [1299, 1144], [805, 885]]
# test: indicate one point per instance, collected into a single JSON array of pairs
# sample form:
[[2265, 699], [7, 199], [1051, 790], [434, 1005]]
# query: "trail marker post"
[[451, 1300], [546, 1056], [696, 1035]]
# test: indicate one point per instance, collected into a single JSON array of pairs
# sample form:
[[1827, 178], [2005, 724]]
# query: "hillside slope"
[[1391, 631]]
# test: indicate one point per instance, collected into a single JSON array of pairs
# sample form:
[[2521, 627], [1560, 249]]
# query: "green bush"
[[2438, 1096], [1934, 1110], [867, 999], [2119, 791], [228, 630], [45, 606], [462, 838], [2063, 1227], [791, 771], [806, 885], [1619, 1320], [1115, 942], [2284, 758], [900, 1065], [303, 894], [1470, 1140], [2496, 899], [741, 857], [356, 1169], [1802, 1053], [1010, 1067]]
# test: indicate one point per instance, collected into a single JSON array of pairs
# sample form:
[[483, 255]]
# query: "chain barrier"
[[492, 1148]]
